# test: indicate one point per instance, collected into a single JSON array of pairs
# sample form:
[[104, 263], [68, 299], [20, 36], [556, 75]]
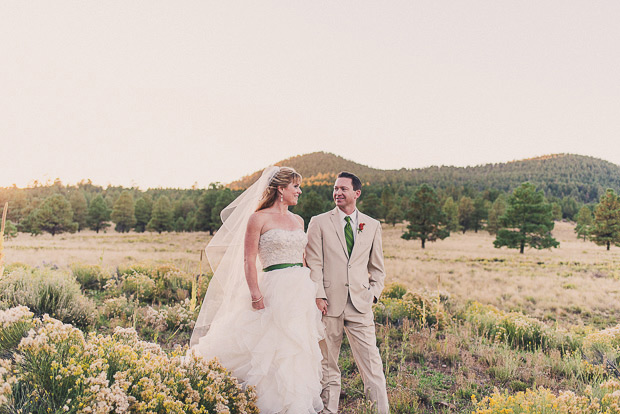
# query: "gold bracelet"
[[258, 300]]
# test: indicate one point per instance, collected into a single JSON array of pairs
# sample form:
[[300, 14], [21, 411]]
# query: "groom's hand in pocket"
[[322, 305]]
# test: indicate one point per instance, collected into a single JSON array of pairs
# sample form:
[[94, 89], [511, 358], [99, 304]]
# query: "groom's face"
[[344, 195]]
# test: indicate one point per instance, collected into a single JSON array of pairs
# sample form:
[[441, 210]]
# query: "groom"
[[345, 257]]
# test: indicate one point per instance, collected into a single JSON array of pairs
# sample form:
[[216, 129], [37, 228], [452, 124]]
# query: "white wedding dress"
[[275, 349]]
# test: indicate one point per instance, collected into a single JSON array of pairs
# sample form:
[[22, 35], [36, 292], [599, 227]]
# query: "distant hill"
[[581, 177]]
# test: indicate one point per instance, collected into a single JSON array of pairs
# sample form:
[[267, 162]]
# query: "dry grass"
[[578, 282], [109, 249]]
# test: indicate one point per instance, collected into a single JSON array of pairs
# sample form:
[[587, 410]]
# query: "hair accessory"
[[273, 174]]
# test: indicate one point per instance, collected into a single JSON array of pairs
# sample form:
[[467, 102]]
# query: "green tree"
[[556, 211], [142, 211], [426, 218], [528, 221], [80, 208], [10, 230], [481, 213], [224, 198], [179, 225], [98, 214], [206, 203], [570, 208], [371, 205], [395, 215], [55, 215], [451, 210], [161, 219], [310, 204], [466, 213], [123, 213], [584, 222], [606, 228], [497, 210], [388, 199]]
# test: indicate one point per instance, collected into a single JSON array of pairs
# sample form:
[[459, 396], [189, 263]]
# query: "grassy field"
[[561, 295], [578, 282]]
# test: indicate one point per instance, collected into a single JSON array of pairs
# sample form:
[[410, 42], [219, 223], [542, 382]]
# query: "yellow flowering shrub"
[[604, 344], [421, 308], [543, 401], [516, 329], [14, 324], [165, 283], [61, 370]]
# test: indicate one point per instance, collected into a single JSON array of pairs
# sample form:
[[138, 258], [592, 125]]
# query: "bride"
[[264, 325]]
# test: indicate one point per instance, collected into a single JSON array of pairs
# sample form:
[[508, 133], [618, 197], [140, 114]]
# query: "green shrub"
[[60, 370], [47, 291], [517, 330], [167, 283], [421, 308], [14, 325], [140, 285], [90, 276], [394, 291]]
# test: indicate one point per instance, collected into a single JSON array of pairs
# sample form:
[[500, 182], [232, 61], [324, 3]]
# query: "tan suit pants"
[[360, 329]]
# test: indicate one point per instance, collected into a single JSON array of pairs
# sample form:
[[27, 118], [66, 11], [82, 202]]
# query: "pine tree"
[[451, 210], [224, 198], [498, 208], [142, 211], [585, 220], [80, 208], [371, 205], [481, 213], [161, 219], [395, 215], [206, 203], [466, 213], [123, 213], [310, 204], [426, 219], [606, 228], [98, 214], [55, 215], [528, 221]]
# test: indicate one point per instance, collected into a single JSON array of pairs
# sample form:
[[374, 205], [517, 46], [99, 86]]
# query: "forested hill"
[[580, 177]]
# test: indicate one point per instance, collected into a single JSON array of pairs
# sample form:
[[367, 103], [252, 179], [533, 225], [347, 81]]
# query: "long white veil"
[[228, 290]]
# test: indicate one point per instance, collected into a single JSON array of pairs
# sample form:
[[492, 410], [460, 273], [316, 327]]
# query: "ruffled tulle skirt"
[[275, 349]]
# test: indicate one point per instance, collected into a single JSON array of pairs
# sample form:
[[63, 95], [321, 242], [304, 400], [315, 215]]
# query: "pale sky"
[[168, 93]]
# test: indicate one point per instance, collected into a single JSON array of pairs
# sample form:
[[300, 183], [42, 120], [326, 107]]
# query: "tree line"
[[431, 213]]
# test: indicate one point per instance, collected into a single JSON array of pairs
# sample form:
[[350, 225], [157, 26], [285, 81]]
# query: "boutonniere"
[[360, 228]]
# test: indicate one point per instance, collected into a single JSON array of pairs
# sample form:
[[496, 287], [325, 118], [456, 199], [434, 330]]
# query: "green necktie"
[[348, 234]]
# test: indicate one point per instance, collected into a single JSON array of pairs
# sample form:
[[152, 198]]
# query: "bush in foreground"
[[57, 369], [46, 291], [606, 400]]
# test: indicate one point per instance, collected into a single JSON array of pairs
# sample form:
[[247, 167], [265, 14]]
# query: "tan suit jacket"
[[336, 274]]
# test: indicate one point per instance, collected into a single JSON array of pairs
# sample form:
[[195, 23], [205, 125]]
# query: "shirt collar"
[[352, 215]]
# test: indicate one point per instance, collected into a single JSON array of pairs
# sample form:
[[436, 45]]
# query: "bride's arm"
[[252, 235]]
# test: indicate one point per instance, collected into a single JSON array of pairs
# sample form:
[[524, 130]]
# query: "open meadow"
[[474, 319], [577, 282]]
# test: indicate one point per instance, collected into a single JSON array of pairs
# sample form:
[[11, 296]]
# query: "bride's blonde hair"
[[282, 178]]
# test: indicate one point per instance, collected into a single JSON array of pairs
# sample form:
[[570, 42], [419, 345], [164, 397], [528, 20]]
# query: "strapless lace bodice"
[[281, 246]]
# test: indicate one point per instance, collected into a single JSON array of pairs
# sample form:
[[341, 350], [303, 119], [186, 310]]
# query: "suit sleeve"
[[314, 257], [376, 266]]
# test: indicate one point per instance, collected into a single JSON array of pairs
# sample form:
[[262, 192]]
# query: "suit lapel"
[[360, 236], [335, 217]]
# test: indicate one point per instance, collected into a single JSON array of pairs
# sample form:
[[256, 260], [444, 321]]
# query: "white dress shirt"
[[353, 221]]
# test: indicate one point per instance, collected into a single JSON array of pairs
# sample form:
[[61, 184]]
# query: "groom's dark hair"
[[357, 184]]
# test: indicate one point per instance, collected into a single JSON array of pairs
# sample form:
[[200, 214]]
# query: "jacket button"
[[346, 284], [349, 266]]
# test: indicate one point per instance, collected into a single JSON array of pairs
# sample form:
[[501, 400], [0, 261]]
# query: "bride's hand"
[[258, 303]]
